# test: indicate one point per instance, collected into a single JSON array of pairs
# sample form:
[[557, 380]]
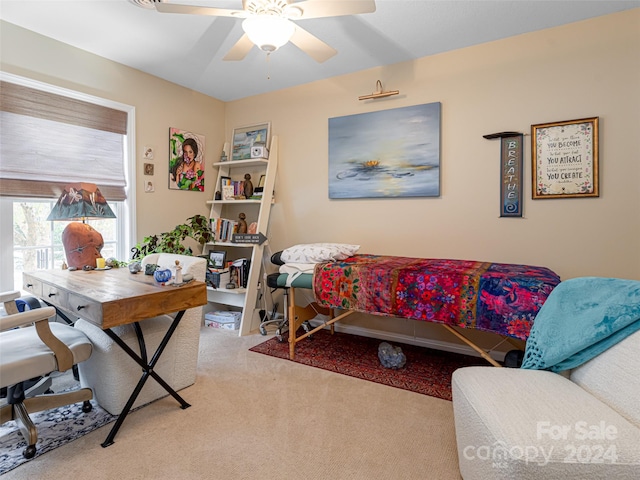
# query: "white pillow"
[[318, 252]]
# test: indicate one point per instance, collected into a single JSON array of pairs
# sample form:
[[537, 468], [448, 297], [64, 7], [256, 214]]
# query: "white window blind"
[[48, 140]]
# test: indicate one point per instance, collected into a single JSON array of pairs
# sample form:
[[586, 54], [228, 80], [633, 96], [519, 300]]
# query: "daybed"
[[579, 423], [494, 297]]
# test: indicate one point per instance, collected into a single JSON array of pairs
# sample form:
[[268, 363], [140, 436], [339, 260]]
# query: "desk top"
[[109, 298]]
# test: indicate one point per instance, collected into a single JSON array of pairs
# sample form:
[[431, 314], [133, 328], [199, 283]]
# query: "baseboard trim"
[[409, 339]]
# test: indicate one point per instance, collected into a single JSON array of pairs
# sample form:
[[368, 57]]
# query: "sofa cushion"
[[613, 377], [531, 424]]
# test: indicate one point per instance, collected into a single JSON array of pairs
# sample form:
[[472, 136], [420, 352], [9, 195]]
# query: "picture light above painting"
[[389, 153]]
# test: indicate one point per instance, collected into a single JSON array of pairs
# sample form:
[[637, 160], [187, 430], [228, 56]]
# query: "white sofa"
[[113, 375], [533, 424]]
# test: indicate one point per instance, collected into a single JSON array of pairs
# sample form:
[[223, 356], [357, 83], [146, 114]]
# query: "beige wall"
[[586, 69], [159, 105]]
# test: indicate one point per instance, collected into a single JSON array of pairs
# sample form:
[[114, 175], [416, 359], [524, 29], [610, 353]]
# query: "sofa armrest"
[[514, 423]]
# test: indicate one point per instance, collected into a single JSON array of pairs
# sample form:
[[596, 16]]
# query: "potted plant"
[[196, 227]]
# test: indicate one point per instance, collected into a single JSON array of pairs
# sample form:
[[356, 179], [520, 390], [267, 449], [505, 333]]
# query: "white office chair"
[[34, 351], [113, 375]]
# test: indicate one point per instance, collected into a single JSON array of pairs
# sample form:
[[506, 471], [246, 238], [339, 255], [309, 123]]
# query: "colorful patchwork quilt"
[[495, 297]]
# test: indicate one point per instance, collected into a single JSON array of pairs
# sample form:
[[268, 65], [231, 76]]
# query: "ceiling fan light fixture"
[[148, 4], [268, 32]]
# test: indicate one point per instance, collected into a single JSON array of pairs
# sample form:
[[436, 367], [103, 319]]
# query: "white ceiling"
[[188, 49]]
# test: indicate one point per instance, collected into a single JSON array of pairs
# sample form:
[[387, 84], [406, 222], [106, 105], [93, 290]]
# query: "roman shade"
[[49, 140]]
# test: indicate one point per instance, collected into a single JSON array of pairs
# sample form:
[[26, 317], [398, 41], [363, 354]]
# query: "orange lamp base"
[[82, 244]]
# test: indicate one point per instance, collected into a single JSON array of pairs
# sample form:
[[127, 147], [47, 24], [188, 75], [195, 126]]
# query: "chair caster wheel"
[[263, 331], [86, 406], [29, 452]]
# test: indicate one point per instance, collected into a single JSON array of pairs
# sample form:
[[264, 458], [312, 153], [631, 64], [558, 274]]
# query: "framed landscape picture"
[[246, 137], [390, 153]]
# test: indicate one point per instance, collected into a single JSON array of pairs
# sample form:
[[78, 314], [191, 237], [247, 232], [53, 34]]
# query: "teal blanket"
[[581, 318]]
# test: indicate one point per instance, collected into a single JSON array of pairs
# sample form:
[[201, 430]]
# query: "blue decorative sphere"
[[162, 275]]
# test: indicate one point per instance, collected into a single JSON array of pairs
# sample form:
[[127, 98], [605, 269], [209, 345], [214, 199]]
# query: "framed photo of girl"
[[564, 159], [186, 160]]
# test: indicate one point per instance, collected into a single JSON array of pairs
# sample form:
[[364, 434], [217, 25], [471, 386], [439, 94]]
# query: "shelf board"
[[243, 163], [228, 202], [231, 244], [235, 291]]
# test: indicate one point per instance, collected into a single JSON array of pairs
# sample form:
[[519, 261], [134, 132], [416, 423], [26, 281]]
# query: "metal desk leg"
[[148, 370]]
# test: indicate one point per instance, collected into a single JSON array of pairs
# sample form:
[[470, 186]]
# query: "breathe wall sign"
[[511, 149]]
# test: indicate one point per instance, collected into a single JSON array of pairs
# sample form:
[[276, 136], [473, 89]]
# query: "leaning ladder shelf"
[[245, 298]]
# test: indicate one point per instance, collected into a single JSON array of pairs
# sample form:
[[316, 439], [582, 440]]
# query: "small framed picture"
[[244, 138], [148, 153], [262, 180], [228, 192], [224, 181], [148, 168], [218, 259]]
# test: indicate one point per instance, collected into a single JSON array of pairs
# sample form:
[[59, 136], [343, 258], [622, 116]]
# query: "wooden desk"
[[109, 298]]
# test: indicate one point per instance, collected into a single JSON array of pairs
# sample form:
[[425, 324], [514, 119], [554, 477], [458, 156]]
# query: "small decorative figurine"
[[248, 186], [242, 223], [178, 273], [218, 195]]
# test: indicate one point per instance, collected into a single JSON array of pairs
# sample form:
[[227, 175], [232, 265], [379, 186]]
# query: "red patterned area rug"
[[426, 371]]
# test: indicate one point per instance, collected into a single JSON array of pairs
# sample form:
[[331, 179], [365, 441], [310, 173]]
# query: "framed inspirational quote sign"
[[565, 159]]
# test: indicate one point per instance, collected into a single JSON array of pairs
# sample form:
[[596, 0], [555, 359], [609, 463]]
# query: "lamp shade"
[[81, 201], [268, 32]]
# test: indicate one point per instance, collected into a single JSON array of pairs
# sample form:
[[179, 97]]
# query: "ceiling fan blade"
[[330, 8], [312, 45], [240, 49], [163, 7]]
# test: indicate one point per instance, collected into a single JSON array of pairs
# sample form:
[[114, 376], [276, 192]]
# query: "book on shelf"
[[238, 188], [239, 271], [223, 229], [258, 193]]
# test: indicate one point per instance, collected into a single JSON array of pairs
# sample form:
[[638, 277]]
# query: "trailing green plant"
[[196, 227]]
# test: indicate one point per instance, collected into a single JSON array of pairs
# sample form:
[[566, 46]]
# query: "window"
[[55, 134]]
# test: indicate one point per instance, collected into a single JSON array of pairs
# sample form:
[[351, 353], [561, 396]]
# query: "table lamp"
[[82, 243]]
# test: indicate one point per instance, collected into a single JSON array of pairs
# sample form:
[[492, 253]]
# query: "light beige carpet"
[[259, 417]]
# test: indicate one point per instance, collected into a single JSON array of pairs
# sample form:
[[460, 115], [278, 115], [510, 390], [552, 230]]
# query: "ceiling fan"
[[269, 23]]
